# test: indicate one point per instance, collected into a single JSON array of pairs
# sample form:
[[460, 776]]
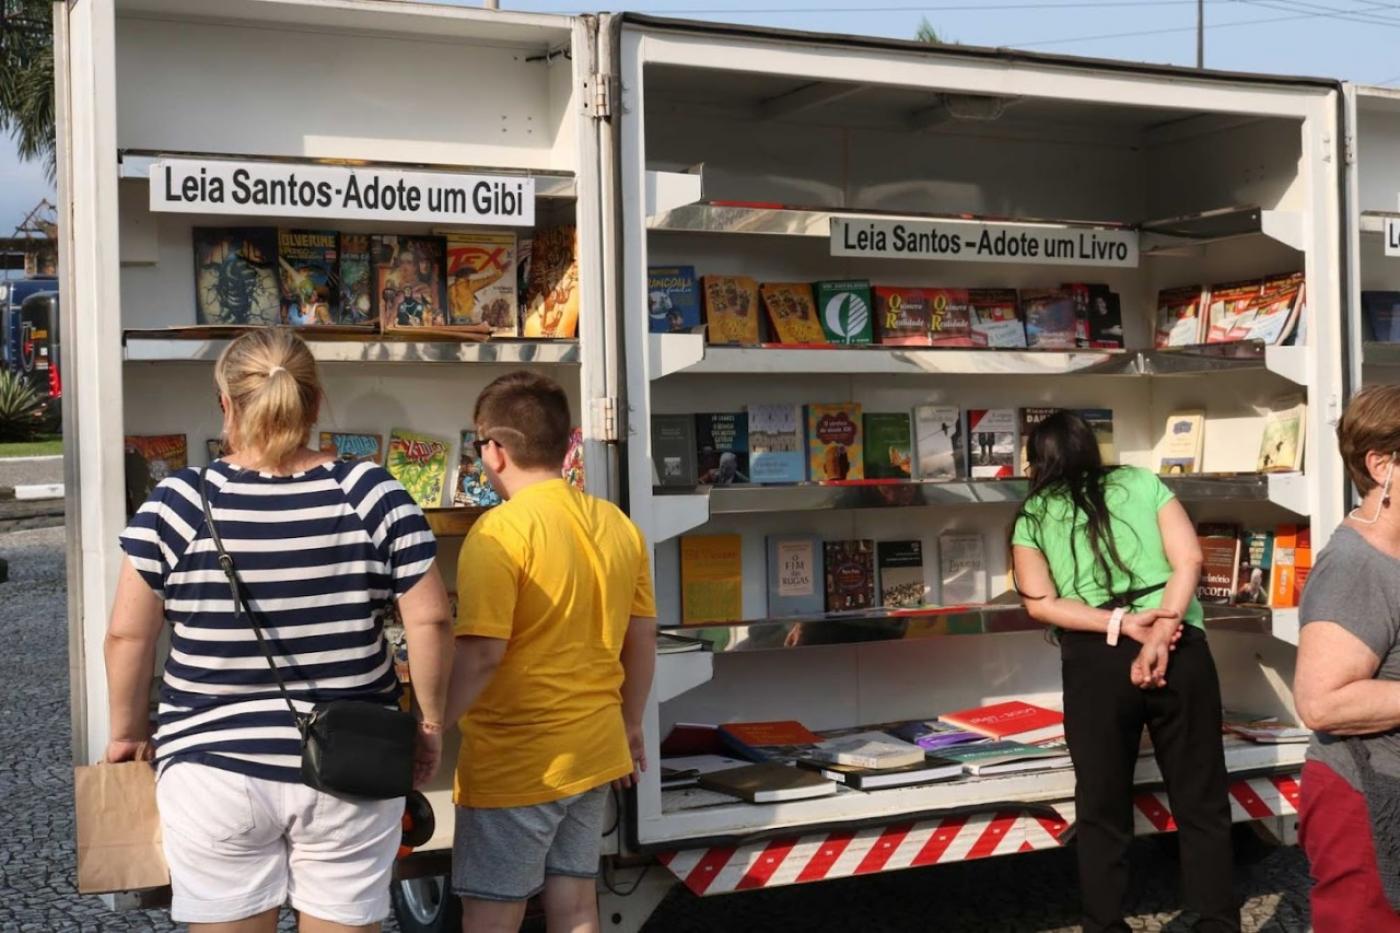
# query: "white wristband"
[[1115, 625]]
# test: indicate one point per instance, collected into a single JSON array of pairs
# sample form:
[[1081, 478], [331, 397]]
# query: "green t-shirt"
[[1134, 496]]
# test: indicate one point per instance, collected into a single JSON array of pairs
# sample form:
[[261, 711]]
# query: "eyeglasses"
[[480, 444]]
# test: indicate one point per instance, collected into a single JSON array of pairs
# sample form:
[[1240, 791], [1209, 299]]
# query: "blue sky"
[[1351, 39]]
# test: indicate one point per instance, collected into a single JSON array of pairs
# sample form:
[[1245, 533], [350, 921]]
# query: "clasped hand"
[[1158, 631]]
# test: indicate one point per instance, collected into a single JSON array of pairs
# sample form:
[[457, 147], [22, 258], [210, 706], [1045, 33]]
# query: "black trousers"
[[1104, 717]]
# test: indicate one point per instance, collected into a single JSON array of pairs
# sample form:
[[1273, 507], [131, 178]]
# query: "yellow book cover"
[[835, 442], [551, 293], [731, 309], [793, 312], [712, 579], [1183, 443], [481, 281]]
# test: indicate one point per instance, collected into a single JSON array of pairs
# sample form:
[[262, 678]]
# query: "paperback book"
[[1266, 730], [932, 735], [1283, 579], [903, 317], [792, 313], [673, 450], [1256, 565], [1012, 719], [673, 299], [888, 446], [777, 452], [1228, 310], [996, 318], [845, 311], [352, 447], [1050, 319], [1281, 449], [722, 444], [1277, 310], [778, 740], [1179, 317], [1006, 757], [551, 305], [356, 307], [1382, 313], [1028, 418], [992, 442], [796, 577], [901, 565], [712, 579], [1220, 552], [235, 276], [1183, 443], [472, 487], [410, 290], [308, 269], [419, 463], [870, 750], [963, 570], [950, 317], [1100, 421], [572, 471], [850, 575], [768, 782], [1098, 316], [481, 283], [148, 460], [927, 770], [731, 309], [835, 445], [214, 449], [939, 442]]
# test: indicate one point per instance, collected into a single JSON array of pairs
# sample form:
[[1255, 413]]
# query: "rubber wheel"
[[426, 905]]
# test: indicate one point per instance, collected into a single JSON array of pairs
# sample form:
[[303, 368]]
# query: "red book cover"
[[1013, 719], [763, 741]]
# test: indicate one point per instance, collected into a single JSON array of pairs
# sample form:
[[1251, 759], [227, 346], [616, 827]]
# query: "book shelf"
[[154, 347], [1374, 183]]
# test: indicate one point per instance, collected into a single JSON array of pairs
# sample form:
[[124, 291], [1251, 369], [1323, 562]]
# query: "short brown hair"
[[1371, 422], [528, 414]]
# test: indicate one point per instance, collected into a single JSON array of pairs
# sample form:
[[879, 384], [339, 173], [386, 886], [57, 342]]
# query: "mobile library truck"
[[899, 253]]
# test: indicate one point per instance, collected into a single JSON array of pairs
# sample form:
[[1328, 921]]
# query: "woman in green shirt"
[[1109, 558]]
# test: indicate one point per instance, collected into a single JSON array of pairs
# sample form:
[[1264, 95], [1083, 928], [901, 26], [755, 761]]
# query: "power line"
[[1366, 17], [1182, 29], [926, 8]]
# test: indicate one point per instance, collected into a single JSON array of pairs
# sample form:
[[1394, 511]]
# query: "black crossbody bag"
[[351, 748]]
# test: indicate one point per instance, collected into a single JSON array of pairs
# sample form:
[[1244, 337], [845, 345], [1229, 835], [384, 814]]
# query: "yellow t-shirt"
[[557, 573]]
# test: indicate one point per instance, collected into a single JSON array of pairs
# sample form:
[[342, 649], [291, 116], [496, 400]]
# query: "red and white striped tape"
[[913, 844]]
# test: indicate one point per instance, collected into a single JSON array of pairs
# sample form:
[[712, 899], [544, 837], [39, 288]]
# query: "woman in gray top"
[[1347, 687]]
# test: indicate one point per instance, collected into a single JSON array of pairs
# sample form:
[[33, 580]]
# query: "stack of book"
[[1266, 309], [1254, 567]]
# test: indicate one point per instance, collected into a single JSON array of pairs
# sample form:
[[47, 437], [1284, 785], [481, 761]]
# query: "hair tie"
[[276, 369]]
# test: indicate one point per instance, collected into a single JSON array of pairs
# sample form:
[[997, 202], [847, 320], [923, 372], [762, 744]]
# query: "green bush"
[[21, 408]]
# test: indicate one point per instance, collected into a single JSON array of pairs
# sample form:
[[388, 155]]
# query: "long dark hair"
[[1064, 461]]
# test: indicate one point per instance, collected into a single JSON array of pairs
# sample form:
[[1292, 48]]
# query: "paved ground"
[[26, 472], [1013, 895]]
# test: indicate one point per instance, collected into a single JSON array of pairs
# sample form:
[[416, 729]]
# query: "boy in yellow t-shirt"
[[556, 647]]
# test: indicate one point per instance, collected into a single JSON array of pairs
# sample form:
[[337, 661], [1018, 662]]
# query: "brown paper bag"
[[119, 845]]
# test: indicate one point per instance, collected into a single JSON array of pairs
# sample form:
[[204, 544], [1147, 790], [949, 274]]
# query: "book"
[[235, 276], [1283, 590], [1183, 442], [845, 311], [1302, 562], [777, 451], [938, 435], [929, 769], [481, 282], [1178, 317], [835, 444], [409, 289], [1276, 311], [471, 487], [731, 309], [996, 318], [693, 738], [1281, 449], [673, 450], [1382, 315], [1100, 421], [768, 741], [1220, 551], [950, 317], [349, 447], [962, 563], [792, 312], [419, 463], [903, 317], [148, 459], [796, 577], [849, 568], [992, 442], [1098, 316], [551, 305], [932, 735], [1006, 757], [308, 269], [1266, 730], [685, 770], [889, 447], [1027, 419], [1049, 317], [1228, 308], [901, 567], [673, 299], [572, 472], [712, 578], [1256, 566], [214, 448], [768, 782], [1013, 719], [870, 750], [356, 306], [722, 448]]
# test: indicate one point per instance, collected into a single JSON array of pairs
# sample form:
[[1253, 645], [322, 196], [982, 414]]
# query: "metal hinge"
[[605, 419], [599, 101], [1349, 149]]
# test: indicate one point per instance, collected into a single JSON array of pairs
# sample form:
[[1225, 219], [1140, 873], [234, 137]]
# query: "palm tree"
[[26, 78], [926, 33]]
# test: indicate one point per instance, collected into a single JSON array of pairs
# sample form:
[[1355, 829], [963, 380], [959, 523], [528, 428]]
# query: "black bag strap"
[[240, 605], [1127, 599]]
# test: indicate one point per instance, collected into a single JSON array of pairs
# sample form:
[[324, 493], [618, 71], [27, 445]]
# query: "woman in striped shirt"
[[323, 548]]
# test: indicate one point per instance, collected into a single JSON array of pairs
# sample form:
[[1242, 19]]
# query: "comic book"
[[792, 312], [1228, 307], [419, 462], [673, 299], [235, 276], [150, 459], [1277, 310], [572, 471], [472, 487], [351, 447], [410, 290], [731, 309], [1179, 316], [1050, 319], [481, 286], [356, 281], [309, 272], [552, 296]]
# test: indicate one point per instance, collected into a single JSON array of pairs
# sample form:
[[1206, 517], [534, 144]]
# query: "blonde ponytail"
[[271, 379]]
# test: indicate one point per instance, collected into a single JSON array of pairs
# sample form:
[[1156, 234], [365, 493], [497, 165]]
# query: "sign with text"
[[194, 186], [1392, 236], [983, 241]]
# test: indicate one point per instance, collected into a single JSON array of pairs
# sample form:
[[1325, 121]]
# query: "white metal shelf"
[[374, 350], [1373, 222], [1178, 234], [680, 673]]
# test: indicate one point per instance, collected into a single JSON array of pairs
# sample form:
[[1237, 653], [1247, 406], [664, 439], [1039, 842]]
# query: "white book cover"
[[874, 750], [1285, 432], [1183, 444], [962, 562], [938, 442], [992, 443]]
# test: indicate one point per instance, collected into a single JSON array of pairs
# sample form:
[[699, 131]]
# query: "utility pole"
[[492, 4], [1200, 33]]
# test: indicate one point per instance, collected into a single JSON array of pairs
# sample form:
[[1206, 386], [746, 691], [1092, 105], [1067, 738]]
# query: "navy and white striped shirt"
[[321, 555]]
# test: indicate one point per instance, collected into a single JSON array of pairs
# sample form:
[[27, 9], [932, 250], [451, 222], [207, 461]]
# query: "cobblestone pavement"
[[1035, 892]]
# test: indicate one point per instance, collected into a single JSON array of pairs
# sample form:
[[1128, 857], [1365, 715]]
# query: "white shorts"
[[239, 846]]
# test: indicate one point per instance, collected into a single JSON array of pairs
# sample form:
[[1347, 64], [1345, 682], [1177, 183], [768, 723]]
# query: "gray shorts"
[[505, 854]]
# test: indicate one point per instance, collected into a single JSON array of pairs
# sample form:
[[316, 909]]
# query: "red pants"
[[1336, 835]]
